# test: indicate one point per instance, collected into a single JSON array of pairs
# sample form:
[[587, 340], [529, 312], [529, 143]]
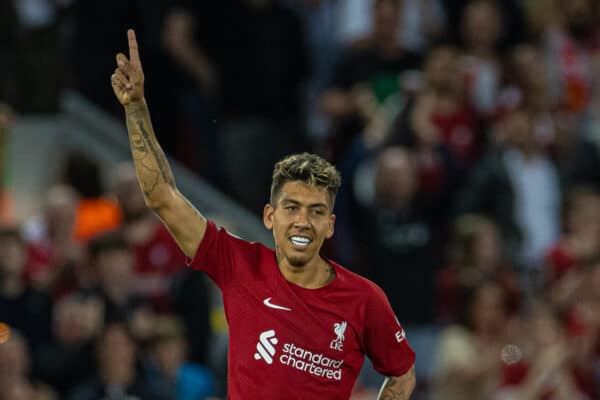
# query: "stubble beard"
[[294, 261]]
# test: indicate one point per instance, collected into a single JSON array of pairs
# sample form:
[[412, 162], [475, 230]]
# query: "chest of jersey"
[[298, 335]]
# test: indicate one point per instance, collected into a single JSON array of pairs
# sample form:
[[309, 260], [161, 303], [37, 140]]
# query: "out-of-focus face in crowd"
[[14, 358], [396, 177], [14, 254], [169, 346], [116, 354], [77, 319], [529, 69], [486, 249], [61, 210], [488, 309], [387, 19], [583, 213], [518, 129], [128, 192], [442, 70], [115, 269], [481, 25]]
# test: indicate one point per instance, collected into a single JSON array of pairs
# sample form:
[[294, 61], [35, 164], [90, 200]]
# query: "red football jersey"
[[289, 342]]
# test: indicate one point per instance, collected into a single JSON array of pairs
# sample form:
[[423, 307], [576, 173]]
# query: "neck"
[[315, 274]]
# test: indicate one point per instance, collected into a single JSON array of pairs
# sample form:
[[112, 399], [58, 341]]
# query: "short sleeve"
[[217, 254], [384, 339]]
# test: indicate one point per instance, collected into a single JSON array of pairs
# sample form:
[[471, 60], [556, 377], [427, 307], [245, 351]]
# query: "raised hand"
[[128, 79]]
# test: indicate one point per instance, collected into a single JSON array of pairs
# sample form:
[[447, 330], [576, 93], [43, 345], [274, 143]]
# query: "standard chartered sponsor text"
[[314, 363]]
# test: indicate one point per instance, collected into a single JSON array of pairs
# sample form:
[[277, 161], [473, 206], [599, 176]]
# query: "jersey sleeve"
[[384, 339], [217, 254]]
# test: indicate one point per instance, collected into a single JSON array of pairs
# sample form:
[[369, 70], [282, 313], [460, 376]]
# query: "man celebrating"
[[300, 325]]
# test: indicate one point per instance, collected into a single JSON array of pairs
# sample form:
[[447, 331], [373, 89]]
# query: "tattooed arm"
[[154, 174], [398, 387]]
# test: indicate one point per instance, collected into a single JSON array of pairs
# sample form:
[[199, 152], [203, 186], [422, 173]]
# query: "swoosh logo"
[[268, 303]]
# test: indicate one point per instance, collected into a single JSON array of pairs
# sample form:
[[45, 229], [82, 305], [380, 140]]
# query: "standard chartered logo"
[[264, 347], [296, 357]]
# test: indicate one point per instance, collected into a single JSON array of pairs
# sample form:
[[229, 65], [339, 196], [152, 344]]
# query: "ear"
[[268, 216], [330, 229]]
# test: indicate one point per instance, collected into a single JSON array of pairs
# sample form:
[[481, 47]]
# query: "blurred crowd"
[[467, 134]]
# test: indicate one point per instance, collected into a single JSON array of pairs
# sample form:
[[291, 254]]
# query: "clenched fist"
[[128, 79]]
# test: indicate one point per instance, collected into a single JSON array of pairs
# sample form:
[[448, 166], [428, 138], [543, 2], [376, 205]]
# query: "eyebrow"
[[296, 202]]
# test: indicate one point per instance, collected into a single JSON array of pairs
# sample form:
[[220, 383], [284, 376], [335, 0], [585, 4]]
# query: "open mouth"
[[300, 241]]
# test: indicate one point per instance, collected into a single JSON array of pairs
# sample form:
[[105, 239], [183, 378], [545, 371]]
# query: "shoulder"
[[363, 287], [215, 232]]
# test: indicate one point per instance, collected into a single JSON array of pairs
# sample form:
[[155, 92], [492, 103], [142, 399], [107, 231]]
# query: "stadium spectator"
[[54, 253], [32, 54], [544, 367], [369, 72], [15, 370], [117, 375], [96, 213], [580, 242], [475, 255], [571, 38], [401, 244], [69, 358], [517, 187], [441, 116], [482, 28], [182, 380], [157, 259], [112, 263], [24, 308], [467, 360]]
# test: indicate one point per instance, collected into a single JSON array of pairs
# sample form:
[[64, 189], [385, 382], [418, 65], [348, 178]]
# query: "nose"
[[302, 219]]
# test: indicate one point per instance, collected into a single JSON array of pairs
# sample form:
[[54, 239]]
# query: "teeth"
[[300, 241]]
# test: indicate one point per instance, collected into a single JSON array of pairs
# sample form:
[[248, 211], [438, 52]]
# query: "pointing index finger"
[[134, 55]]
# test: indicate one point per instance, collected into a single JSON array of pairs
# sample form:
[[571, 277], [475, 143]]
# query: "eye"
[[319, 212], [291, 208]]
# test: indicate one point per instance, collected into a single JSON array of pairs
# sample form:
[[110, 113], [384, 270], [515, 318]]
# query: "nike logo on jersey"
[[268, 303]]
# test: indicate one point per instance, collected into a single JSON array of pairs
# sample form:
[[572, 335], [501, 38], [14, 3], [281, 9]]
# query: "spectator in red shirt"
[[157, 259], [580, 241]]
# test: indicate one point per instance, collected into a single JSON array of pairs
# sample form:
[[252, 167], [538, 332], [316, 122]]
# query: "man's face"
[[115, 269], [301, 219], [387, 18]]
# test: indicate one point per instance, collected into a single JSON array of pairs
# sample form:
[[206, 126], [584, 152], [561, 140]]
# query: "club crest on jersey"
[[338, 343]]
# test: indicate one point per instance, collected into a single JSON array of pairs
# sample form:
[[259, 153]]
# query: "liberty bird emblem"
[[339, 328]]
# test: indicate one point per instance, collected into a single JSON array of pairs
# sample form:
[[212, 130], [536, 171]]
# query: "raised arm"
[[398, 387], [154, 174]]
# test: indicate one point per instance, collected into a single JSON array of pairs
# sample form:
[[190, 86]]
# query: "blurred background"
[[467, 134]]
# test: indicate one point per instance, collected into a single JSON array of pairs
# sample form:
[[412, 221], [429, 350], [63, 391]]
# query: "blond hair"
[[308, 168]]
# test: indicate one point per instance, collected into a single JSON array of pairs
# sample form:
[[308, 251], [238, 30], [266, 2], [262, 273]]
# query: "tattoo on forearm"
[[391, 393], [138, 146], [137, 142], [143, 144], [159, 156], [149, 181]]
